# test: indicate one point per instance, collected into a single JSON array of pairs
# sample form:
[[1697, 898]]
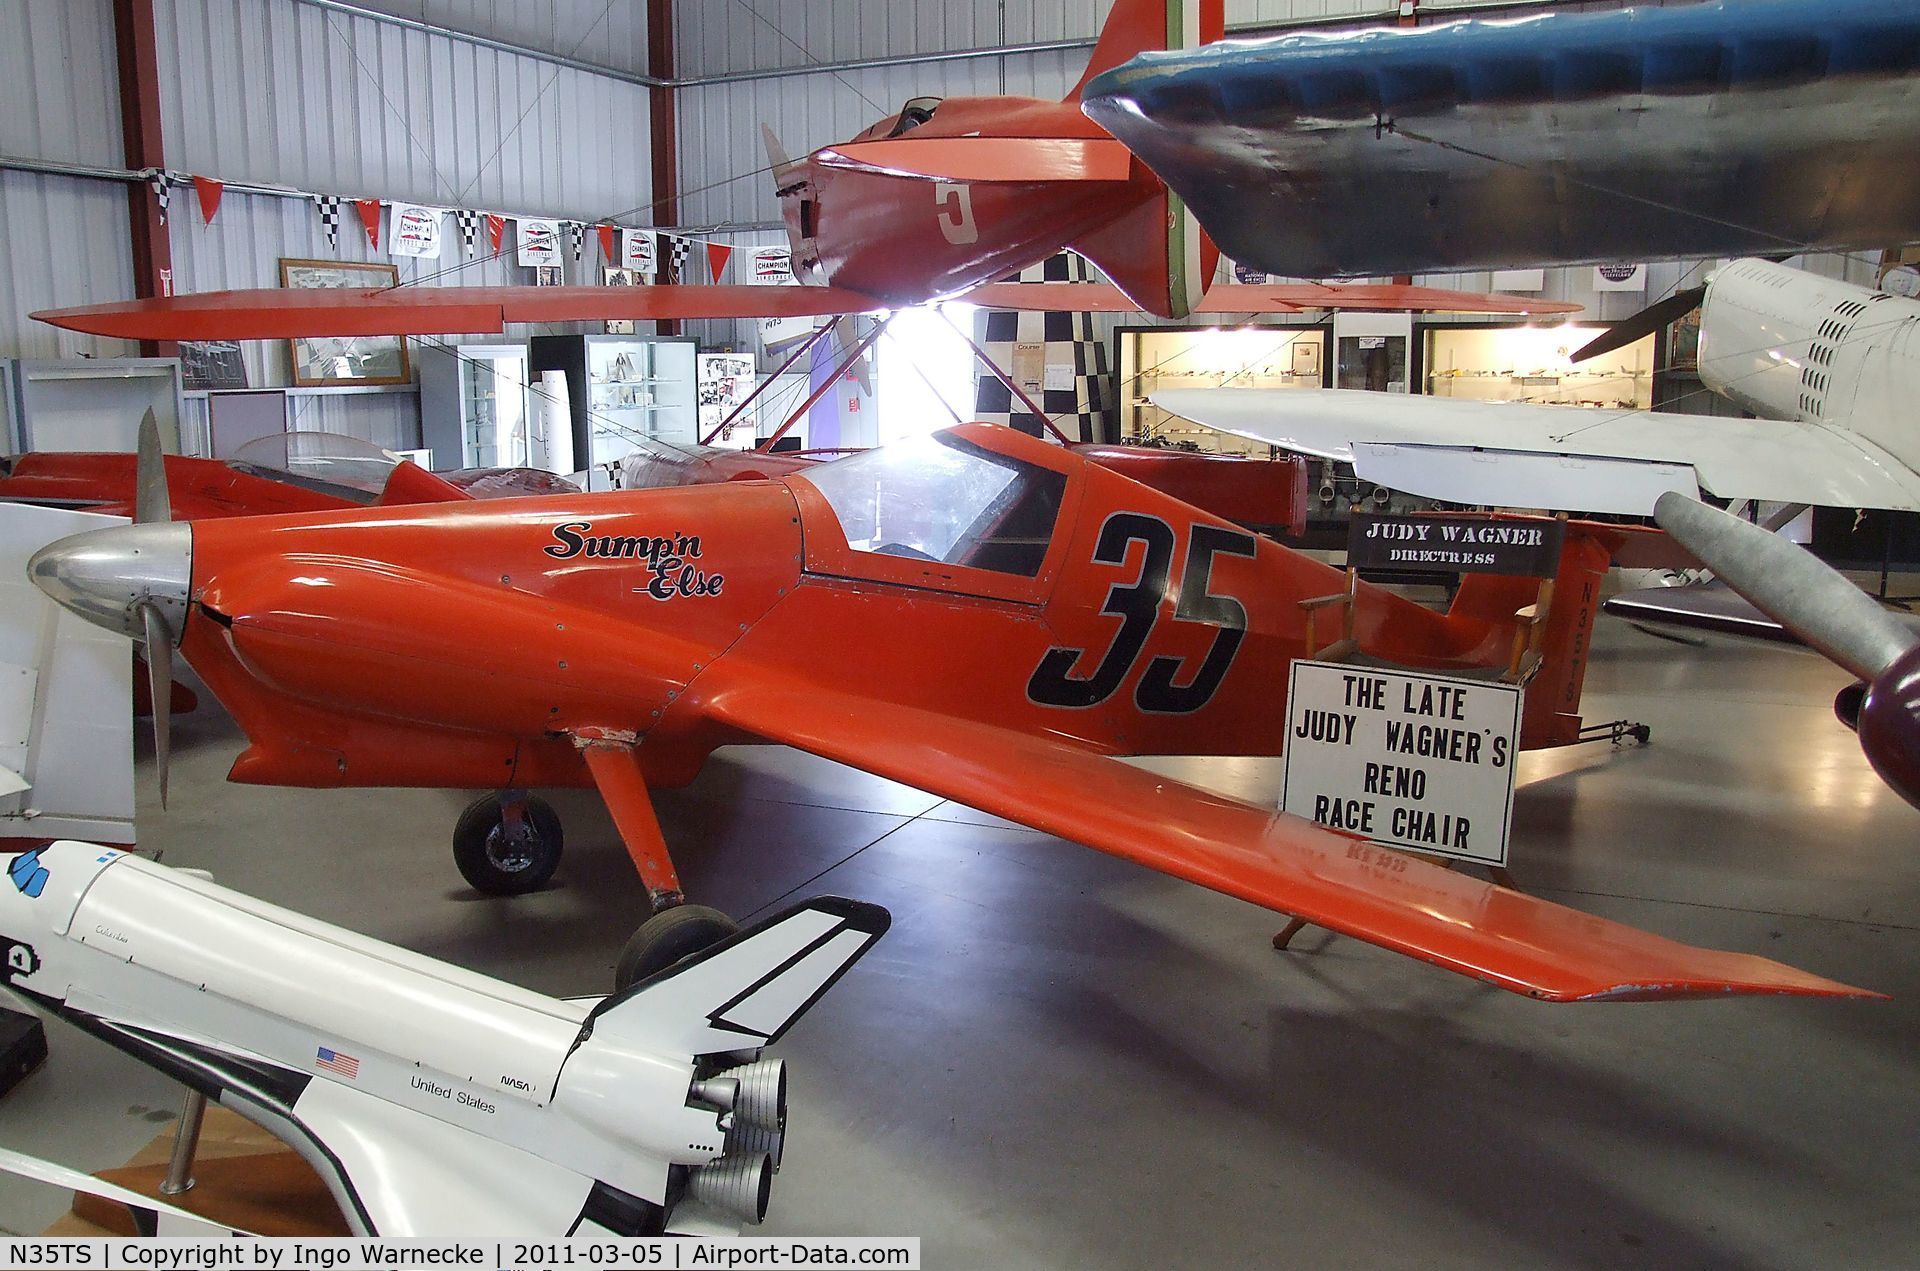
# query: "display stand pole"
[[764, 384], [186, 1141]]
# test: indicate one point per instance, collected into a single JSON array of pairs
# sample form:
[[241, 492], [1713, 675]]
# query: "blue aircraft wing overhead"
[[1739, 127]]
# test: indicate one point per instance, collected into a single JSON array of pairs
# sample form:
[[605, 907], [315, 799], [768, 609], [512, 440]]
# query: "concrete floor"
[[1059, 1060]]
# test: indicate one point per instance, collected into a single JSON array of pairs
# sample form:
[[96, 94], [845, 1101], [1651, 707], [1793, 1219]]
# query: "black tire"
[[667, 937], [498, 866]]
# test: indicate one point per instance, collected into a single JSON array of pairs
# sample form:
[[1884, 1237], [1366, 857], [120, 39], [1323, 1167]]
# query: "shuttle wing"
[[1517, 942], [1510, 454], [411, 1174]]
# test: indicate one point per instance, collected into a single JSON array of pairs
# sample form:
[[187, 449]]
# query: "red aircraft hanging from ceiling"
[[939, 201], [1074, 616]]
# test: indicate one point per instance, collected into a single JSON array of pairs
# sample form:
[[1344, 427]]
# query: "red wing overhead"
[[1518, 942], [1094, 297], [285, 313]]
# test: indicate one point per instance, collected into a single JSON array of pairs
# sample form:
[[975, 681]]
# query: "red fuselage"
[[907, 239]]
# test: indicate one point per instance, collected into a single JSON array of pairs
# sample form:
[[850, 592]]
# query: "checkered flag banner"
[[673, 258], [329, 205], [576, 238], [1067, 341], [162, 193], [469, 223]]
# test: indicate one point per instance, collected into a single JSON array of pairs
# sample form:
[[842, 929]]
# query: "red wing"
[[1518, 942], [1096, 297], [287, 313]]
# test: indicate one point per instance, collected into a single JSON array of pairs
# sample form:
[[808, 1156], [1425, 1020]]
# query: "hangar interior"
[[1055, 1057]]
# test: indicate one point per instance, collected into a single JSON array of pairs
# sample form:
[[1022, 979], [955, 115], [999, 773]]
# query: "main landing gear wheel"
[[667, 937], [507, 848]]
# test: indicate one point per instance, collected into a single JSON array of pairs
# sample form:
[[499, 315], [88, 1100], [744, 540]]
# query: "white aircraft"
[[435, 1101], [1831, 369]]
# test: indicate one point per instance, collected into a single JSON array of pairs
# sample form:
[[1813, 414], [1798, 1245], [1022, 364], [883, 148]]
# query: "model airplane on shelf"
[[942, 200], [1820, 606], [977, 613], [431, 1100], [1701, 130], [1824, 364]]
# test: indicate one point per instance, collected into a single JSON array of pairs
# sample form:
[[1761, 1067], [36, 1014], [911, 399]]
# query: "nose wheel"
[[507, 844], [666, 938]]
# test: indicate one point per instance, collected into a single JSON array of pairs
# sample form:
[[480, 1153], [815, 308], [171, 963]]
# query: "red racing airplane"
[[1076, 616]]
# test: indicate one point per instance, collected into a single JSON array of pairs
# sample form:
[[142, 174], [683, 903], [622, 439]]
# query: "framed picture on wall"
[[336, 360]]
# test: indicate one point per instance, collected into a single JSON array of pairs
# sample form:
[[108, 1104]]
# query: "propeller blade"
[[776, 154], [151, 503], [1790, 585], [1643, 323], [159, 649]]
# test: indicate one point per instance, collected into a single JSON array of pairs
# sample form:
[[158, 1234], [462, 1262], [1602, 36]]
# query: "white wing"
[[1510, 454], [411, 1175]]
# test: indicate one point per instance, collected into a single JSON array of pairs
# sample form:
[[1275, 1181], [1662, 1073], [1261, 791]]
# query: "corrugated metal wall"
[[291, 93], [610, 33], [62, 240]]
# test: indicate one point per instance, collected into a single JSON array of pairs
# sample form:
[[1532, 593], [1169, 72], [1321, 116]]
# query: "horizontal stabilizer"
[[1518, 942], [744, 992], [1710, 606], [286, 314], [977, 159]]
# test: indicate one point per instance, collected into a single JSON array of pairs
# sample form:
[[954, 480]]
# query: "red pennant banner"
[[496, 229], [717, 254], [369, 210], [209, 191], [606, 245]]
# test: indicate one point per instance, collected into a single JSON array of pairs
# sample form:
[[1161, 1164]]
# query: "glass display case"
[[1533, 364], [1154, 359], [624, 391], [474, 405]]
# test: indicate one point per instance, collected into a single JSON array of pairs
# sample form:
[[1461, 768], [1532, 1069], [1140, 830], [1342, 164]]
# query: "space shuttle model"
[[434, 1101]]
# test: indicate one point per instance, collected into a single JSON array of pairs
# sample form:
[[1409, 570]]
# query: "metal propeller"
[[1642, 324], [1789, 584], [152, 503], [159, 645]]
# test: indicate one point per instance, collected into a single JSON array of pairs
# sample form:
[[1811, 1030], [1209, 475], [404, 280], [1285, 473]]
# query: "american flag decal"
[[337, 1062]]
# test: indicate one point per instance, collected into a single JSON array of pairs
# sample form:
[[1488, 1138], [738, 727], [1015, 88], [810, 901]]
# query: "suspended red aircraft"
[[941, 200], [1075, 616]]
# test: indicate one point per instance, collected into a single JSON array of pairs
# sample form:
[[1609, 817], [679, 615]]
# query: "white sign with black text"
[[1421, 762]]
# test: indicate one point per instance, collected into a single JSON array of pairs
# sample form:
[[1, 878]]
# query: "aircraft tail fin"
[[411, 483], [1156, 254], [1552, 710], [746, 991], [1139, 26]]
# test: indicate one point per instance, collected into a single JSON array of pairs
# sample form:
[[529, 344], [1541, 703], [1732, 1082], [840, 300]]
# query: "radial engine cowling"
[[1888, 722]]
